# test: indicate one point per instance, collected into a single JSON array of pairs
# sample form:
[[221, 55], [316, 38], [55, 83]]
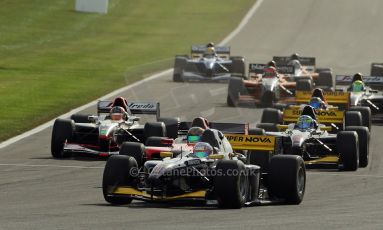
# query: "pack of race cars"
[[314, 123]]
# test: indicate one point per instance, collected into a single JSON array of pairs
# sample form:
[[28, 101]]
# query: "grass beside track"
[[53, 59]]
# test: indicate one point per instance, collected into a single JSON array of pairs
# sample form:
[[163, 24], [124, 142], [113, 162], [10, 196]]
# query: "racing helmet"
[[316, 102], [270, 72], [357, 77], [194, 135], [210, 50], [296, 64], [272, 64], [117, 113], [357, 86], [305, 122], [210, 44], [202, 150], [294, 56]]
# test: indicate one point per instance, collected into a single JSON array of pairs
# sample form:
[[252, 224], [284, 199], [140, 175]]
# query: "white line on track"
[[40, 128]]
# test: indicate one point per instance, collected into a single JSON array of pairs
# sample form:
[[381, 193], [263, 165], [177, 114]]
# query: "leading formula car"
[[219, 176], [208, 63], [101, 135]]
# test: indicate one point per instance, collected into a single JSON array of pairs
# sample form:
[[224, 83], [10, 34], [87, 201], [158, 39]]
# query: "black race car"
[[224, 178]]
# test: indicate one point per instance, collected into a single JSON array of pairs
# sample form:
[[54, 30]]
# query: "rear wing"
[[368, 80], [283, 69], [305, 61], [252, 142], [291, 114], [197, 51], [226, 128], [134, 107], [332, 98]]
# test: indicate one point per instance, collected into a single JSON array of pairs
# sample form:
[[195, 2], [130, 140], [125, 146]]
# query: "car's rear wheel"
[[364, 143], [366, 115], [235, 88], [135, 150], [352, 118], [171, 125], [348, 148], [154, 129], [287, 178], [270, 115], [80, 118]]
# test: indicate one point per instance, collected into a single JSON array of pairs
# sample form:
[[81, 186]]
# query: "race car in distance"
[[275, 85], [305, 68], [208, 63], [347, 149], [362, 93], [334, 111], [214, 174], [265, 86], [101, 135]]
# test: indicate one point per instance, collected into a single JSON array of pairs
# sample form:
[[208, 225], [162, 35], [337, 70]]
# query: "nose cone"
[[297, 141]]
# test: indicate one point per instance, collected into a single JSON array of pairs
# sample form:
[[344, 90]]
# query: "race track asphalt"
[[38, 192]]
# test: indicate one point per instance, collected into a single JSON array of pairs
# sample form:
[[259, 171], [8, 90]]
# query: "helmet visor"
[[315, 104], [200, 154], [193, 138]]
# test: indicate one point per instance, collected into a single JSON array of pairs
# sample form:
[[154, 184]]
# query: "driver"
[[317, 103], [270, 72], [117, 113], [202, 150], [306, 122], [357, 86], [194, 135], [210, 52], [294, 60]]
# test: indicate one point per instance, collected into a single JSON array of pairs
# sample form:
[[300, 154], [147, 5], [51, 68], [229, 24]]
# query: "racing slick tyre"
[[347, 145], [352, 118], [260, 158], [135, 150], [366, 115], [364, 143], [271, 116], [118, 171], [376, 70], [238, 66], [304, 85], [287, 178], [325, 80], [63, 130], [179, 65], [80, 118], [171, 125], [158, 142], [235, 88], [319, 70], [231, 184], [154, 129], [268, 127]]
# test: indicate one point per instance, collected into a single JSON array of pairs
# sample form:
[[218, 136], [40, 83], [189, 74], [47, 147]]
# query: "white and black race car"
[[99, 135], [204, 66]]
